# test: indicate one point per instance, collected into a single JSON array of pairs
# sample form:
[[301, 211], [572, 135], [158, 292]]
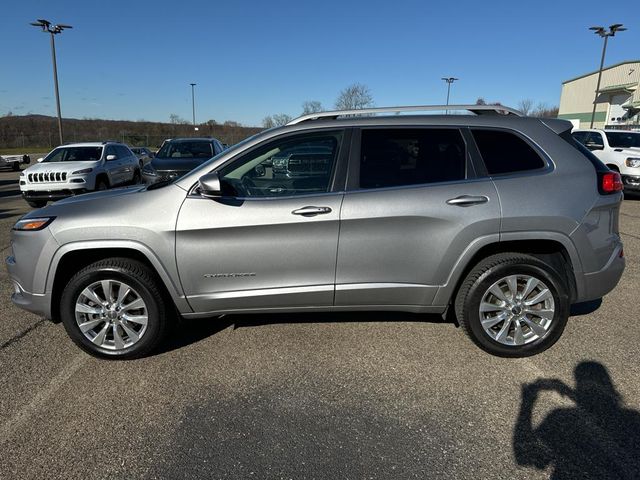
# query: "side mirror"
[[40, 159], [210, 186], [111, 157]]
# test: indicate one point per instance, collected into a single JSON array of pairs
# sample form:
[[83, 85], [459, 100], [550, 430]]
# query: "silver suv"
[[78, 168], [499, 221]]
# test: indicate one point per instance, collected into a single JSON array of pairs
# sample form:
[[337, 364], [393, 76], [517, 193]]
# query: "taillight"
[[610, 182]]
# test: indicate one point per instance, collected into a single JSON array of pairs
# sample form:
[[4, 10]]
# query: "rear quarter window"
[[504, 152]]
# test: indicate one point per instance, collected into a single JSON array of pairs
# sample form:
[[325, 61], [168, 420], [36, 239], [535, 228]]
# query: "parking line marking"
[[41, 397]]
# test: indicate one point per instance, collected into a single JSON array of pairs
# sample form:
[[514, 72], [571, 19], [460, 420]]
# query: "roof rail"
[[477, 109]]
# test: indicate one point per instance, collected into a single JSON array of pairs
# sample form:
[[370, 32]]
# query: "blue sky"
[[134, 60]]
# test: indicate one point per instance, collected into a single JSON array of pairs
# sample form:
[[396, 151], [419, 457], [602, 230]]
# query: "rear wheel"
[[114, 308], [15, 166], [136, 177], [513, 305], [37, 203]]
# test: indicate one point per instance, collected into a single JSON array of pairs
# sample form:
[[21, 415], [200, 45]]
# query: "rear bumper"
[[598, 284]]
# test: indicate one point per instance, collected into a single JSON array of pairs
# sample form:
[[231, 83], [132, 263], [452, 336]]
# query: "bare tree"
[[356, 96], [481, 101], [543, 110], [267, 122], [311, 106], [280, 119], [177, 119], [525, 106]]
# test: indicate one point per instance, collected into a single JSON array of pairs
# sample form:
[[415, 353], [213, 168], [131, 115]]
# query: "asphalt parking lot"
[[368, 395]]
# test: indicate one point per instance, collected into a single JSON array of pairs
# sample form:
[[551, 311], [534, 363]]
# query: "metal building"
[[617, 103]]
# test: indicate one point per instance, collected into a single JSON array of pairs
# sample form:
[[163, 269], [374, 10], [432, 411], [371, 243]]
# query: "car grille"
[[170, 174], [47, 177]]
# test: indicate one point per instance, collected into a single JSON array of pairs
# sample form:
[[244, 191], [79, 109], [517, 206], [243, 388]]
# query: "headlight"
[[84, 170], [632, 162], [148, 170], [22, 174], [33, 223]]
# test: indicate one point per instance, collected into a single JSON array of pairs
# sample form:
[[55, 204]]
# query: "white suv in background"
[[618, 149], [78, 168]]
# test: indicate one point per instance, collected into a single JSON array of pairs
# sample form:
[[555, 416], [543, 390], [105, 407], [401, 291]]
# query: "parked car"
[[14, 161], [618, 149], [78, 168], [466, 216], [144, 155], [178, 156]]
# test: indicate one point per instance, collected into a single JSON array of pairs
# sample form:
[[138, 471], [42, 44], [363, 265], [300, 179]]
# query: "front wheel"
[[114, 309], [101, 184], [15, 166], [513, 305], [37, 203]]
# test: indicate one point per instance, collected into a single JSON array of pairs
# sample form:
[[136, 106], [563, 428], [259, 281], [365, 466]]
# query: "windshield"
[[196, 149], [74, 154], [623, 139]]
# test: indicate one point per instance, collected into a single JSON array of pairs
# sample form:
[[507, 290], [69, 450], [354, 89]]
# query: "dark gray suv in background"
[[177, 156], [499, 220]]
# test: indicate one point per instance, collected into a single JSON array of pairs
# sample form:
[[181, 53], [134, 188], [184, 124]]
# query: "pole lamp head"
[[47, 26]]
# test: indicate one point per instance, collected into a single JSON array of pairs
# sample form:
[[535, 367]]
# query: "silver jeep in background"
[[498, 220]]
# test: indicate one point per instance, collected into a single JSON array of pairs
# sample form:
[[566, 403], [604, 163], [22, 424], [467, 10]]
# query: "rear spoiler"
[[557, 125]]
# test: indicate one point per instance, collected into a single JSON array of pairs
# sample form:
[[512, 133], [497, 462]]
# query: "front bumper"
[[52, 195], [631, 182], [38, 303]]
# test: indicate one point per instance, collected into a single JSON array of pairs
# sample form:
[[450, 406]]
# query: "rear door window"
[[505, 152], [398, 157]]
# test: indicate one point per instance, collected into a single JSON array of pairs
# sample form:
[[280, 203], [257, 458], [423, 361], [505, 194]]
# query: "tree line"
[[42, 131], [355, 97]]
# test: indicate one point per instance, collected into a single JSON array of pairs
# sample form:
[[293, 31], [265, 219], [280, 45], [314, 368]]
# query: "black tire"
[[137, 178], [141, 279], [15, 166], [102, 184], [490, 271], [37, 203]]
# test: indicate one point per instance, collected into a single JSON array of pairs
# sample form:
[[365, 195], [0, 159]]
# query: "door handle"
[[311, 211], [467, 200]]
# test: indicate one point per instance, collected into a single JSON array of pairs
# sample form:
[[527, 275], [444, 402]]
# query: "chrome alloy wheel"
[[111, 314], [517, 310]]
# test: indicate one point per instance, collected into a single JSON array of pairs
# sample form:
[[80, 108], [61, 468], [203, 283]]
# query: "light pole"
[[193, 104], [617, 27], [449, 81], [47, 26]]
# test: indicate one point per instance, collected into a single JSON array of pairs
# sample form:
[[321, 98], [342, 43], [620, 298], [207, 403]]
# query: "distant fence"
[[16, 133], [50, 140]]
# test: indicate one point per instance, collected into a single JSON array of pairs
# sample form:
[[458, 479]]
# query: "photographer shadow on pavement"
[[597, 437]]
